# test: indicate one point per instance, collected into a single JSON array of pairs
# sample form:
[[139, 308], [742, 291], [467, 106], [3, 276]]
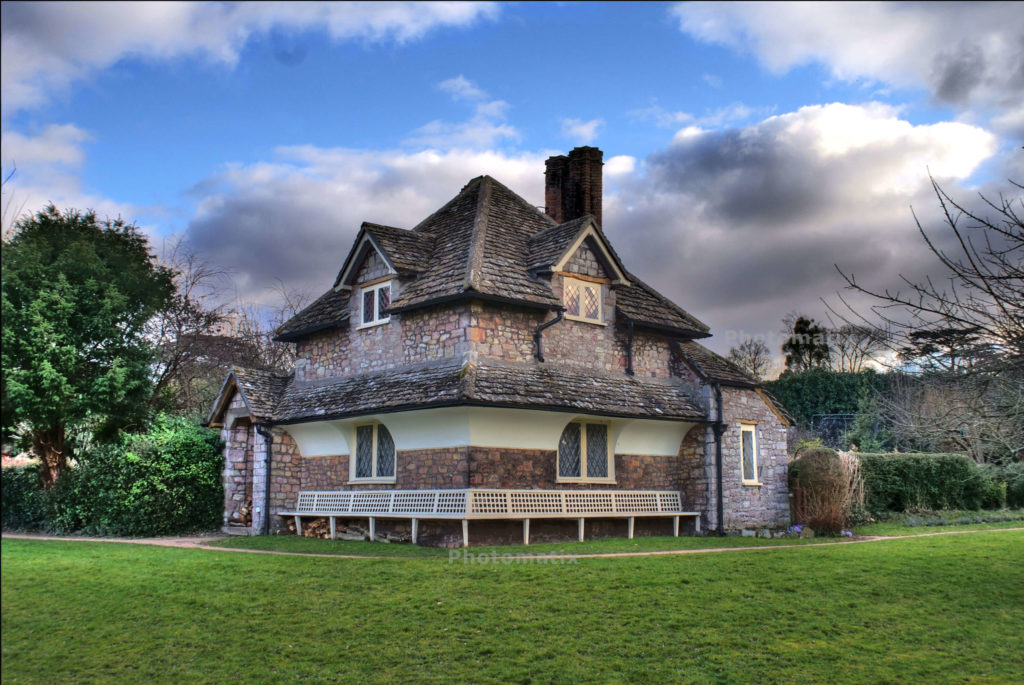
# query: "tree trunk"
[[48, 445]]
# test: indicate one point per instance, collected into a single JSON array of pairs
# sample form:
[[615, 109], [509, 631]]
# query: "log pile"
[[321, 528]]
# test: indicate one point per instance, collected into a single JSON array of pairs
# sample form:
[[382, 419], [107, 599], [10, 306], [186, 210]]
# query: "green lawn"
[[925, 610]]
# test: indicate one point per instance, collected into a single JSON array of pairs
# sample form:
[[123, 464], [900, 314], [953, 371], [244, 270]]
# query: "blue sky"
[[748, 148]]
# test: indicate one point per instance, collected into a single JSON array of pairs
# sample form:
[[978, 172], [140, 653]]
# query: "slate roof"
[[643, 304], [330, 310], [408, 251], [261, 390], [491, 384], [548, 246], [480, 247], [715, 367]]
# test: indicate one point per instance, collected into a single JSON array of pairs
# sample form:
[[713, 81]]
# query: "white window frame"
[[583, 478], [598, 288], [353, 465], [752, 429], [375, 288]]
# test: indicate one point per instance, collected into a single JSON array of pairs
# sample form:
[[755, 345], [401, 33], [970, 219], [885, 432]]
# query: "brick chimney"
[[572, 185]]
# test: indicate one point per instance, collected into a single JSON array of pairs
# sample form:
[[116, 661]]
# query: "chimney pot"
[[573, 185]]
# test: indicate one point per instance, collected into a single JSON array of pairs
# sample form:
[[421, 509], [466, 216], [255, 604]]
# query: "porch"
[[479, 504]]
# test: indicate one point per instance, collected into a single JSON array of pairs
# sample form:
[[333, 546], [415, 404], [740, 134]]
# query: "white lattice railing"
[[489, 504]]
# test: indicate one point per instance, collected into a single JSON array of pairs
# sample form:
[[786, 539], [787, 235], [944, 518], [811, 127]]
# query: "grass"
[[924, 610]]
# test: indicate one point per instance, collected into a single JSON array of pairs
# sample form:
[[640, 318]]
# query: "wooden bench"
[[472, 504]]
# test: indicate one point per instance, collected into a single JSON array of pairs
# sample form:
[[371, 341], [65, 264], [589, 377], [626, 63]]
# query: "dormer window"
[[375, 301], [582, 300]]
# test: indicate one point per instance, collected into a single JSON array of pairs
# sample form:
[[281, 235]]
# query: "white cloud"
[[484, 129], [730, 114], [741, 225], [57, 144], [620, 165], [583, 132], [47, 46], [968, 53], [712, 80], [293, 219]]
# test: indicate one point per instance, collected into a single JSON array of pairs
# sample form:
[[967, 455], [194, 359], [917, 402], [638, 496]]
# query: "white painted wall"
[[487, 427]]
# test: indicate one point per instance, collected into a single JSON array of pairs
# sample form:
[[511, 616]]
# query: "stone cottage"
[[494, 365]]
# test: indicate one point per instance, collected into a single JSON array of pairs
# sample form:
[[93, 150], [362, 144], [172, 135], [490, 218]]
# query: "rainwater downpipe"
[[719, 429], [539, 352], [268, 442]]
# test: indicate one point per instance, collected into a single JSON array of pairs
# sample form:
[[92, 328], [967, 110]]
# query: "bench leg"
[[526, 531], [373, 529], [675, 526], [629, 521], [415, 530], [298, 526], [581, 529], [465, 532], [696, 523], [334, 529]]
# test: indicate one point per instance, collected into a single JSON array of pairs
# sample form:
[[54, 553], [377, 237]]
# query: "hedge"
[[162, 482], [902, 482]]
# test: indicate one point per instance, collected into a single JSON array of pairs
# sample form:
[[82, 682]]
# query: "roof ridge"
[[475, 255], [466, 188]]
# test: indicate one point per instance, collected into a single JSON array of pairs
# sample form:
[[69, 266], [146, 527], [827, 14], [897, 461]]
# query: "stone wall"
[[238, 465], [584, 261], [751, 506], [373, 268]]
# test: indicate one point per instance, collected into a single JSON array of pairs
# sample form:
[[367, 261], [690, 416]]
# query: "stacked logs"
[[321, 528]]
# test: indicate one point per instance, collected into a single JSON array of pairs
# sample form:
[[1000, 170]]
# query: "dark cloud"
[[957, 73]]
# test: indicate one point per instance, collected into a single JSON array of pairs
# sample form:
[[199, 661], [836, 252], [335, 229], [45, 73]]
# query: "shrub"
[[23, 499], [164, 481], [820, 477], [909, 482], [1013, 475]]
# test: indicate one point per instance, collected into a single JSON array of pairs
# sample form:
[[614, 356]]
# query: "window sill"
[[603, 481], [752, 484], [361, 481], [373, 324], [595, 322]]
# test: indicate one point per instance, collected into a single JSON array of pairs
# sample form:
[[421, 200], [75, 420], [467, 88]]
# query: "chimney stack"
[[572, 185]]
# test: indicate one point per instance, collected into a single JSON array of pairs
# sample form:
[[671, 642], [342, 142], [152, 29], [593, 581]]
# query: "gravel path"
[[203, 542]]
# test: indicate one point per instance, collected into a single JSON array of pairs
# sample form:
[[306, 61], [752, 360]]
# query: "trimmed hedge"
[[902, 482], [162, 482]]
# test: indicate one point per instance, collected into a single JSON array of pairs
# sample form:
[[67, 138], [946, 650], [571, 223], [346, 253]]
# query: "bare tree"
[[852, 346], [753, 356], [254, 327], [963, 338]]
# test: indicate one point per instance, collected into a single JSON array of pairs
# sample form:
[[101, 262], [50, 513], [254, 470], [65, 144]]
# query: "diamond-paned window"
[[364, 452], [375, 452], [569, 452], [572, 298], [375, 302], [582, 300], [583, 452], [385, 453], [597, 450]]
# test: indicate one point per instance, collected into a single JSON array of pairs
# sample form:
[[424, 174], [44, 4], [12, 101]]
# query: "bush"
[[23, 499], [822, 391], [162, 482], [1013, 475], [909, 482], [819, 475]]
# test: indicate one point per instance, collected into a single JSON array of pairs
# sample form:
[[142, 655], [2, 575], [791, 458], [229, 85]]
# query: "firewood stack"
[[321, 528]]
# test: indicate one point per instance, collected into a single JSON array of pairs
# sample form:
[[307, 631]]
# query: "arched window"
[[583, 452], [375, 452]]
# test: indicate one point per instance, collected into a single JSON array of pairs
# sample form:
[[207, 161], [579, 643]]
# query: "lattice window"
[[364, 452], [375, 452], [375, 302], [582, 300], [572, 298], [569, 452], [597, 450], [583, 452]]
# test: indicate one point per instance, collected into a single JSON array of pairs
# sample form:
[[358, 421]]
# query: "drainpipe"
[[268, 442], [538, 352], [629, 348], [719, 429]]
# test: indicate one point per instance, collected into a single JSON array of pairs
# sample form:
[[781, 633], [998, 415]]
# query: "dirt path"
[[203, 542]]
